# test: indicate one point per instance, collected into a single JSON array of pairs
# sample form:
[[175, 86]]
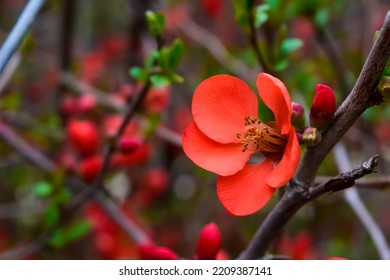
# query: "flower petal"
[[222, 159], [219, 106], [275, 95], [285, 169], [246, 191]]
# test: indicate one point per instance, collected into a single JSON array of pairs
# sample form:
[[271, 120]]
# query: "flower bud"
[[298, 116], [90, 167], [323, 107], [150, 252], [209, 242], [384, 86], [127, 145], [311, 136], [83, 136]]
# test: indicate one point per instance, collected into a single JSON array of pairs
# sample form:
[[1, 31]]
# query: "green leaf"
[[261, 14], [11, 101], [170, 56], [156, 22], [321, 18], [139, 74], [51, 216], [289, 45], [159, 80], [242, 9], [281, 65], [42, 189], [176, 78], [63, 236]]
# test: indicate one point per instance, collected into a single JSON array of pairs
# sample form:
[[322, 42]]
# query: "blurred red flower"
[[227, 131]]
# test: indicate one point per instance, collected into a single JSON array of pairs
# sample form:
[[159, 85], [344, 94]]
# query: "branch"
[[294, 198], [379, 183], [362, 96], [15, 37]]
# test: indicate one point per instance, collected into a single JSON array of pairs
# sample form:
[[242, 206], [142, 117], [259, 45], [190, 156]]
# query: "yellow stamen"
[[261, 137]]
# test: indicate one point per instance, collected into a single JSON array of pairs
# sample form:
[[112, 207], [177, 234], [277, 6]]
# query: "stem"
[[15, 38]]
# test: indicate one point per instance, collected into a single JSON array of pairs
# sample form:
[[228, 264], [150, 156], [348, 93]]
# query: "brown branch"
[[294, 198], [363, 95]]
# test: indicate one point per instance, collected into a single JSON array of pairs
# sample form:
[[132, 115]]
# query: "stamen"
[[260, 137]]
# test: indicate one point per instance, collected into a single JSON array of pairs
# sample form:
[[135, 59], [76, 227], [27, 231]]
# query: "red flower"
[[209, 242], [83, 136], [226, 132]]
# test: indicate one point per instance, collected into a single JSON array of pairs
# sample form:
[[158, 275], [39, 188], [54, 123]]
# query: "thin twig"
[[377, 183], [252, 36], [9, 70], [352, 197], [14, 39]]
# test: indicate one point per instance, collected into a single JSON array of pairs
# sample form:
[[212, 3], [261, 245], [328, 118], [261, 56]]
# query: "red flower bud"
[[311, 136], [298, 116], [83, 136], [323, 107], [209, 242], [68, 105], [150, 252], [90, 167], [127, 145], [86, 103]]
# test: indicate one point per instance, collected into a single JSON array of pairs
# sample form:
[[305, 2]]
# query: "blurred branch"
[[352, 197], [16, 36], [102, 97], [363, 95], [329, 45], [294, 198], [9, 70], [44, 163], [252, 36], [206, 39]]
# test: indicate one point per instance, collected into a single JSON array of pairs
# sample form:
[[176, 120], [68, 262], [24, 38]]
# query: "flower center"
[[261, 137]]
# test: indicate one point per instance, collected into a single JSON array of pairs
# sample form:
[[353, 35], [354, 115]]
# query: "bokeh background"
[[71, 58]]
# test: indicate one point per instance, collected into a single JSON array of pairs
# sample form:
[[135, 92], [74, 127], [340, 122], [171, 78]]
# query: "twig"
[[206, 39], [9, 70], [377, 183], [15, 37], [331, 49], [81, 88], [252, 36], [353, 199], [295, 198]]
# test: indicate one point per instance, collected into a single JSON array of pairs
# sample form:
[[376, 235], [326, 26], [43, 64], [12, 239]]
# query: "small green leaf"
[[159, 80], [281, 65], [51, 216], [289, 45], [321, 18], [156, 22], [242, 9], [176, 78], [42, 189], [261, 14], [63, 236], [139, 73], [170, 56]]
